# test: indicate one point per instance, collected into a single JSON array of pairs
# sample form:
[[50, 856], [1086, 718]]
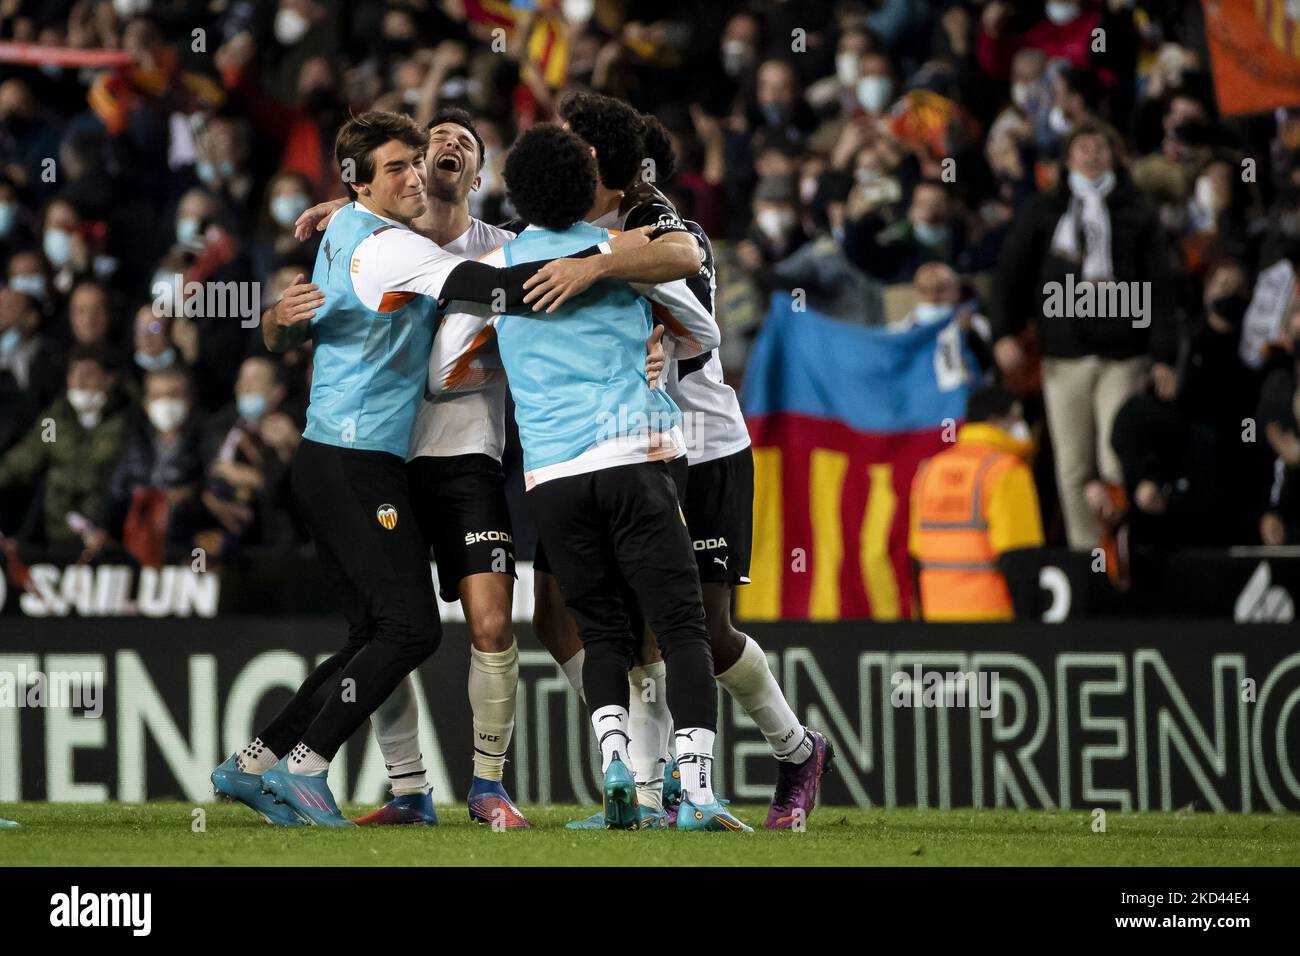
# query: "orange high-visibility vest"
[[960, 580]]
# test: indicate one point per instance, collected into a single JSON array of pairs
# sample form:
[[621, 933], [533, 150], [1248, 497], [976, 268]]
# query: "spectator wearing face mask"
[[152, 500], [928, 232], [154, 348], [1219, 392], [247, 450], [65, 244], [837, 94], [1095, 227], [288, 196], [775, 231], [29, 273], [69, 452]]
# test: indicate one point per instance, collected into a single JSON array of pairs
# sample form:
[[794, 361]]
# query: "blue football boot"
[[489, 803], [310, 797], [621, 810], [708, 816], [403, 809], [246, 788]]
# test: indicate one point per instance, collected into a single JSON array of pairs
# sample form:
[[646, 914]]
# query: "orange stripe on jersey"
[[460, 375], [489, 252], [392, 301], [665, 318]]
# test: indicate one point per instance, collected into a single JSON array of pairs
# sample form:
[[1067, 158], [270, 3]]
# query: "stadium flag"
[[840, 416], [1254, 53]]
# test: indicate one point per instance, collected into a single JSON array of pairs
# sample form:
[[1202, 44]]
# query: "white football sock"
[[695, 761], [610, 724], [303, 760], [573, 671], [650, 727], [751, 683], [255, 758], [493, 679], [396, 724]]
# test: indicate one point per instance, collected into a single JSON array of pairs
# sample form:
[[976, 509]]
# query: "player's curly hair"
[[658, 148], [614, 128], [550, 177]]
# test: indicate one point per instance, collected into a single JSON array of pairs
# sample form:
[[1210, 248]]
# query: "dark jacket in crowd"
[[146, 464], [1027, 264]]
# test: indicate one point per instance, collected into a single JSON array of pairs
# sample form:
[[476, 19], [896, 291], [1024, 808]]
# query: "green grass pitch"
[[156, 834]]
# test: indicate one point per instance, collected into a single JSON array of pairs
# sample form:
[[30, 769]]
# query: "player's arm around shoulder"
[[287, 324]]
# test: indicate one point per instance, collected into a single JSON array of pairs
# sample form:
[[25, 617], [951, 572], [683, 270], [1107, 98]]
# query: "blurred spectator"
[[26, 356], [247, 450], [152, 500], [928, 232], [1095, 227], [68, 454], [89, 319]]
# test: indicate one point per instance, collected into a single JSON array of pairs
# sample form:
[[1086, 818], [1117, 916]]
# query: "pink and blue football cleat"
[[242, 787], [490, 804], [309, 797], [404, 809]]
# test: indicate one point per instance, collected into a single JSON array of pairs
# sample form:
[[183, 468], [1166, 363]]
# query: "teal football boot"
[[246, 788], [621, 809], [713, 817], [309, 797]]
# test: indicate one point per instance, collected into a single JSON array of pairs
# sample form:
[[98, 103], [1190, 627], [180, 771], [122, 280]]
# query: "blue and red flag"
[[840, 416]]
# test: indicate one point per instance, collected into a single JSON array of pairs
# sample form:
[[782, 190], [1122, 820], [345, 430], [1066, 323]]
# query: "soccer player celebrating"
[[372, 339], [597, 441], [458, 494], [717, 497]]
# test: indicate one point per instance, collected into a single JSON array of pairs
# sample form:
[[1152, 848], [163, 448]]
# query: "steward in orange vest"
[[972, 505]]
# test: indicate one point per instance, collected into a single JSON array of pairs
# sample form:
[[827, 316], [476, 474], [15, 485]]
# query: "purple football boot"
[[797, 785]]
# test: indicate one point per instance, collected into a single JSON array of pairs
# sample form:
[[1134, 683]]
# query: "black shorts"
[[460, 507], [678, 470], [720, 516]]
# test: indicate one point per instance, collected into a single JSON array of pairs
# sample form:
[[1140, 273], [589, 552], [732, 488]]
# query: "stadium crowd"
[[961, 154]]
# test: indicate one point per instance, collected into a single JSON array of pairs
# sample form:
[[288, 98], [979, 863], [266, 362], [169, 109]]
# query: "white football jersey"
[[466, 422], [711, 417]]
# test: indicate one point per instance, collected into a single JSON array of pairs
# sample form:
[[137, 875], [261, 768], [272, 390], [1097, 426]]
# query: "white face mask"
[[1205, 195], [929, 312], [1021, 94], [846, 67], [88, 404], [290, 26], [775, 223], [874, 93], [736, 56], [1061, 11], [166, 414], [1020, 431]]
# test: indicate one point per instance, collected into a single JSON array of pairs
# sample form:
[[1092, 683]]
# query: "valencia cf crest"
[[387, 516]]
